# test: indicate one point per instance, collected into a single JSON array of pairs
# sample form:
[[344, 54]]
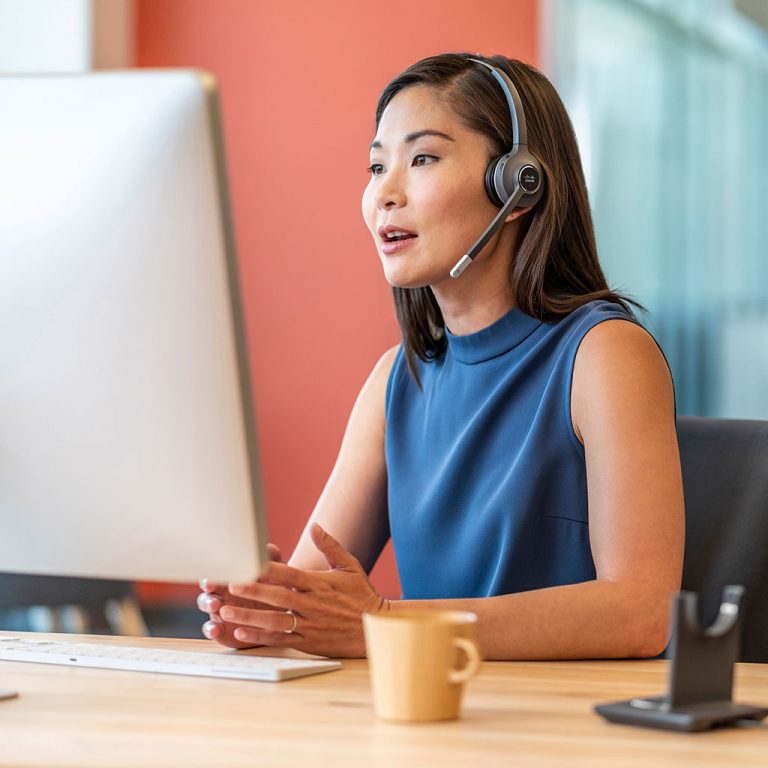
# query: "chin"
[[405, 281], [408, 276]]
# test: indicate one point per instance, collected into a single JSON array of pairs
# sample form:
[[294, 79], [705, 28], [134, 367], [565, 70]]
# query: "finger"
[[253, 636], [274, 553], [270, 594], [212, 629], [219, 598], [334, 553], [209, 603], [288, 576], [269, 621], [224, 634]]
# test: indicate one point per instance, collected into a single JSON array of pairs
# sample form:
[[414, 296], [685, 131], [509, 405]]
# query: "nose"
[[390, 192]]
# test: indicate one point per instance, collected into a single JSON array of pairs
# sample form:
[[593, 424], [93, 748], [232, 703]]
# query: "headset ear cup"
[[504, 174], [524, 170], [490, 185]]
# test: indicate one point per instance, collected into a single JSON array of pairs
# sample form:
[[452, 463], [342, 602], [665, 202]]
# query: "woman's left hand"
[[324, 608]]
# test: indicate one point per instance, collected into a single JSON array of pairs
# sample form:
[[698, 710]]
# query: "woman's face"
[[427, 181]]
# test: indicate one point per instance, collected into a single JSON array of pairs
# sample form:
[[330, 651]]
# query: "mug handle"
[[458, 676]]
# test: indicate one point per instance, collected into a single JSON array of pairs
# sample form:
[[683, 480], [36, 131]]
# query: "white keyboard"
[[199, 663]]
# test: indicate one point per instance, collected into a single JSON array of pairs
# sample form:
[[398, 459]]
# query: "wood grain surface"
[[514, 713]]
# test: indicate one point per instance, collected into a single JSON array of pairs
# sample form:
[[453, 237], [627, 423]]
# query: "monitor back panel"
[[126, 433]]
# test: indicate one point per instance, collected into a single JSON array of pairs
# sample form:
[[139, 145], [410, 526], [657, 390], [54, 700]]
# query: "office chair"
[[725, 480], [52, 604]]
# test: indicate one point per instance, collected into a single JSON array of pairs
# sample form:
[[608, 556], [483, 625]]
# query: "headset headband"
[[519, 132], [512, 179]]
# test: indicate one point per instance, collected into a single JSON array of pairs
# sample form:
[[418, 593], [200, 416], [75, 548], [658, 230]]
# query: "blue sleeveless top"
[[486, 477]]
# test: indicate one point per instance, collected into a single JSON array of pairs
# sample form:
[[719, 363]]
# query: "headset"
[[512, 180]]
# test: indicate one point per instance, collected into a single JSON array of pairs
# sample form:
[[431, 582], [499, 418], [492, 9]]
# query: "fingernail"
[[204, 603], [211, 630], [208, 603], [241, 634], [227, 613]]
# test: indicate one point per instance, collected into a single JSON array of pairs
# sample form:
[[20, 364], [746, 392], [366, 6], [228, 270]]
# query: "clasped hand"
[[323, 608]]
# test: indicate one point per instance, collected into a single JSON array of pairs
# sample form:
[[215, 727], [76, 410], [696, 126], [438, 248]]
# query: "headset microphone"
[[513, 180], [493, 227]]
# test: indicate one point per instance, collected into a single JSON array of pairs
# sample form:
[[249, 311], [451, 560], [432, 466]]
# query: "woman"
[[520, 445]]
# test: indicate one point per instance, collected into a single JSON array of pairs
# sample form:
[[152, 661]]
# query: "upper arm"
[[622, 405], [353, 504]]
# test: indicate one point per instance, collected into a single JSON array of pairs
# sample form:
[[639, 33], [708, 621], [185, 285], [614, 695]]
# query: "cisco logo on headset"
[[529, 179]]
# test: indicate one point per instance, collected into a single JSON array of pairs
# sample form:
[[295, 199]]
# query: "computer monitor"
[[127, 434]]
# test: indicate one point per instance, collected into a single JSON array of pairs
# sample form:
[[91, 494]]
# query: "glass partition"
[[669, 100]]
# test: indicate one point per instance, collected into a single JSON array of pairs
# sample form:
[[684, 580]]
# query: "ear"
[[517, 213]]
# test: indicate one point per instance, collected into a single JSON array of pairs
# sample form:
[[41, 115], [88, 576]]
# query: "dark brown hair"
[[556, 269]]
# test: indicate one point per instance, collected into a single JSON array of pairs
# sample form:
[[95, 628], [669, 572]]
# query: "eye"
[[420, 160], [375, 169]]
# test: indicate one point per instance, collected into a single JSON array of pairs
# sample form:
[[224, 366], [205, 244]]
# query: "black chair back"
[[725, 480]]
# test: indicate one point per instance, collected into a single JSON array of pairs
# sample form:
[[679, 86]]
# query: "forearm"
[[594, 619]]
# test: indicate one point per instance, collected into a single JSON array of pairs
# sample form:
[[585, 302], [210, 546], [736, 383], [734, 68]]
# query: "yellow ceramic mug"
[[415, 656]]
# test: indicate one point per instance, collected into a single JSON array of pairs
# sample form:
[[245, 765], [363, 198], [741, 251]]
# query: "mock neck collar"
[[500, 337]]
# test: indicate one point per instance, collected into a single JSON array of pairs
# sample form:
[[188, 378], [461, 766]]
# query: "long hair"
[[555, 269]]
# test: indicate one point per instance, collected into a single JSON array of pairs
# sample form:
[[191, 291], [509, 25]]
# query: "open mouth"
[[397, 236]]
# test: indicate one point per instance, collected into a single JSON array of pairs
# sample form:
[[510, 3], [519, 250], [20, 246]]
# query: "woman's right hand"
[[215, 596]]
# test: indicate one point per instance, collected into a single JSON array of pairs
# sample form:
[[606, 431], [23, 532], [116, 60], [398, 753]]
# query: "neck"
[[482, 294], [467, 314]]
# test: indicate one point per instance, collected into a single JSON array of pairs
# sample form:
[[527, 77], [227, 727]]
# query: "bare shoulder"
[[618, 343], [371, 398], [620, 374], [383, 367], [387, 360]]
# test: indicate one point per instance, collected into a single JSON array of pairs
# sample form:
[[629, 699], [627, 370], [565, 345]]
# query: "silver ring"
[[293, 626]]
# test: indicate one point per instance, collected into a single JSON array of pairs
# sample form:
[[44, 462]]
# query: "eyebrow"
[[417, 135]]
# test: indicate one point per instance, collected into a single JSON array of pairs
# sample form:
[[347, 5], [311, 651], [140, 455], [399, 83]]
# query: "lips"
[[391, 247], [393, 233]]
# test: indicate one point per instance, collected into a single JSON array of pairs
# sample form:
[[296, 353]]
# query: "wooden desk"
[[517, 713]]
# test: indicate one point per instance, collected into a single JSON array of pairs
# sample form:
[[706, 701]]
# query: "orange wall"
[[299, 82]]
